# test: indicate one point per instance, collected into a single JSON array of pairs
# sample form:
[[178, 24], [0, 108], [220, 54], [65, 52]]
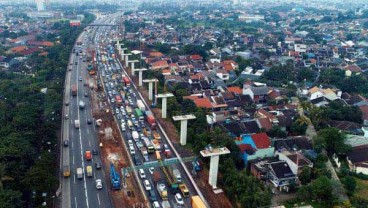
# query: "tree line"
[[29, 123]]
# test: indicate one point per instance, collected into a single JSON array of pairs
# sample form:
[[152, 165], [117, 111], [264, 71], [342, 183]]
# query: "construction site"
[[112, 148]]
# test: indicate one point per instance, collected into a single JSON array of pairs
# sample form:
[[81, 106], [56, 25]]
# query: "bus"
[[149, 145], [119, 101], [126, 81], [139, 114]]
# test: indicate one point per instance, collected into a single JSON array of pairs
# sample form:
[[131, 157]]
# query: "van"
[[137, 161], [142, 174]]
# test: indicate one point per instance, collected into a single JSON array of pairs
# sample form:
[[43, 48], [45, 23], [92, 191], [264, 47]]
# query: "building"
[[41, 5], [255, 146]]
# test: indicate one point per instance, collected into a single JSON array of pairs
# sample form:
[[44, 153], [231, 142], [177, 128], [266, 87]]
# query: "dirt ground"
[[214, 200]]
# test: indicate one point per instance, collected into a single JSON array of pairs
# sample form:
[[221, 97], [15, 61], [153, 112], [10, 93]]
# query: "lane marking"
[[87, 131], [89, 142], [74, 178], [98, 199], [73, 159], [75, 199], [81, 146]]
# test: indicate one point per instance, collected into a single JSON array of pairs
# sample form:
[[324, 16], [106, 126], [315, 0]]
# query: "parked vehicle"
[[66, 171], [197, 202], [79, 173]]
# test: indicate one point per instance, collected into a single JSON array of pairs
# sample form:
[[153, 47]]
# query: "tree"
[[334, 141], [321, 189], [349, 184], [276, 131], [305, 175]]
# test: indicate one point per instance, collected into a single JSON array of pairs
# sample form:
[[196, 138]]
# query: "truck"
[[74, 90], [147, 132], [140, 105], [126, 81], [89, 171], [161, 188], [197, 202], [184, 190], [129, 110], [115, 177], [77, 124], [156, 144], [170, 178], [151, 121], [66, 171], [156, 135], [135, 136], [177, 175], [79, 173], [88, 155], [81, 104]]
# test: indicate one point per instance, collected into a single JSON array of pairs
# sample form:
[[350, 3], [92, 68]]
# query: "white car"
[[179, 200], [151, 170], [147, 185], [98, 184], [130, 142], [142, 174]]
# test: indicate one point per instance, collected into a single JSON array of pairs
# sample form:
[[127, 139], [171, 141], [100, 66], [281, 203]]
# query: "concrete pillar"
[[140, 78], [164, 106], [214, 154], [133, 70], [212, 180], [150, 90], [183, 132], [126, 59]]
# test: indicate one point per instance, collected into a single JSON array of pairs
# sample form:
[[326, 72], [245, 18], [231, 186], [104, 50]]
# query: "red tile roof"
[[266, 114], [265, 123], [160, 65], [200, 102], [235, 89], [261, 140], [196, 57], [156, 54]]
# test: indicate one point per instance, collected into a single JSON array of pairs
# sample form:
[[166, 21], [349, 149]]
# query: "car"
[[147, 185], [139, 144], [151, 170], [166, 147], [98, 165], [80, 78], [117, 111], [89, 121], [119, 116], [155, 204], [179, 199], [112, 100], [66, 116], [142, 174], [66, 143], [66, 103], [94, 152], [99, 184], [130, 142], [131, 150], [86, 94]]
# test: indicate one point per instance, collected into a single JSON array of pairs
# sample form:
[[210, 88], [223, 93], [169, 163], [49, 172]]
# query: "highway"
[[80, 192], [112, 72], [83, 192]]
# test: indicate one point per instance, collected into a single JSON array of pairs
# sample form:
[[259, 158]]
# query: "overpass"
[[102, 25]]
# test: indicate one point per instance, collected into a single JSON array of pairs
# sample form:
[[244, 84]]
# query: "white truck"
[[141, 106], [77, 124], [79, 173], [81, 104], [177, 175], [135, 136]]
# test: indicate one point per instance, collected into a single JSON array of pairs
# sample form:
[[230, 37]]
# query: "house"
[[364, 110], [281, 175], [200, 102], [352, 69], [257, 91], [255, 146], [159, 65], [222, 74], [357, 159], [294, 159], [329, 94]]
